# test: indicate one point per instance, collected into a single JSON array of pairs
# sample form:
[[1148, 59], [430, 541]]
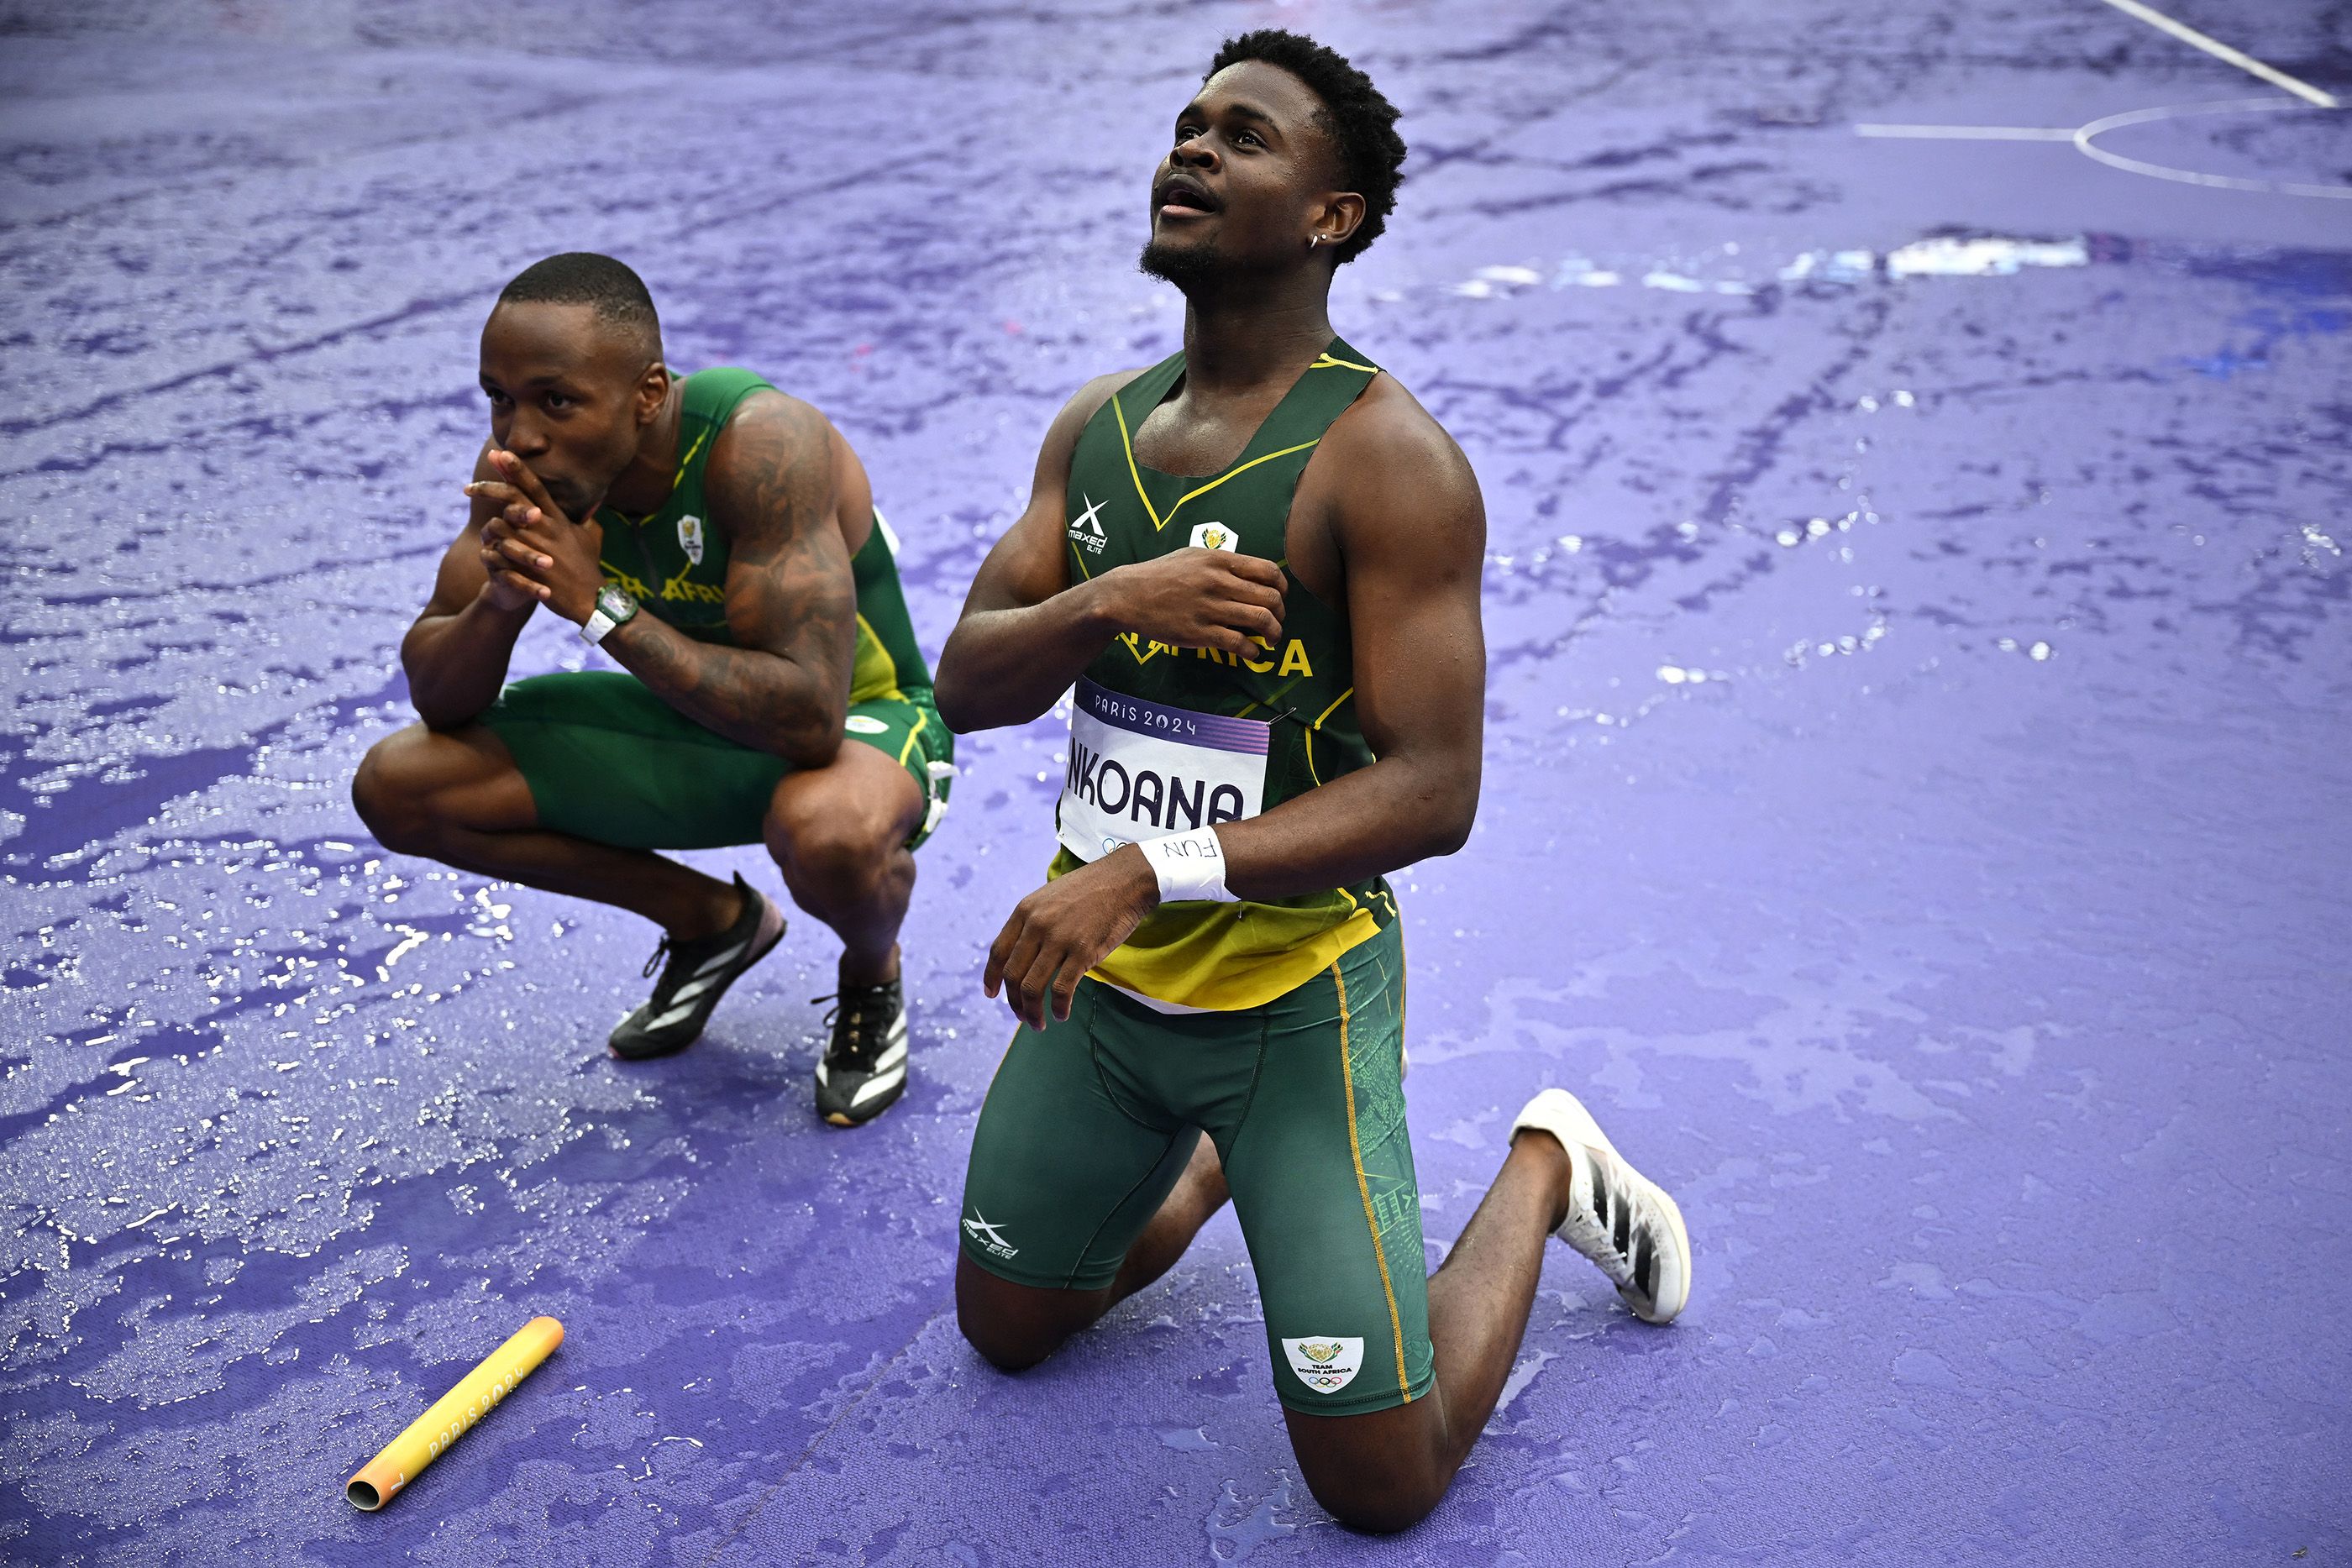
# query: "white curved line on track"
[[2085, 143]]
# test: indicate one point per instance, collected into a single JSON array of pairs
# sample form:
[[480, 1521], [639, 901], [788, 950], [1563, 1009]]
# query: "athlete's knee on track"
[[1376, 1511], [1006, 1338], [1379, 1473], [1001, 1345]]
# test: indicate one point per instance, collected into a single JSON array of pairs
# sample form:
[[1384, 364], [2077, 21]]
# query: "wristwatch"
[[616, 606]]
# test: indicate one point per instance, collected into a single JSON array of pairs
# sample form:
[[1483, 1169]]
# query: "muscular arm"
[[1028, 631], [1404, 509], [455, 654], [791, 600]]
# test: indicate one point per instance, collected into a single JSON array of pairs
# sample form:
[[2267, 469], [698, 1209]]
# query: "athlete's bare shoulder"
[[776, 422], [1388, 423], [1087, 400], [774, 452], [1062, 436], [1386, 445], [755, 424], [1090, 397]]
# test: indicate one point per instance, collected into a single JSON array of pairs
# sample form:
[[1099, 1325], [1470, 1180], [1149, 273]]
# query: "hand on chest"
[[1162, 466], [1216, 498]]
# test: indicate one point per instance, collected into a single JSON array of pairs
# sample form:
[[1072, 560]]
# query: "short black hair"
[[1358, 119], [616, 294]]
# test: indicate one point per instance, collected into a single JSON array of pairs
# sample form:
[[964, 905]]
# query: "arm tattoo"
[[792, 602]]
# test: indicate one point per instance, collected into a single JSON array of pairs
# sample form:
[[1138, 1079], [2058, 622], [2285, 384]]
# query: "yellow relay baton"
[[453, 1415]]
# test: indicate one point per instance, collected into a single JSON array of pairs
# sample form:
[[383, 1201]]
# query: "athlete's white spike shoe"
[[1621, 1220]]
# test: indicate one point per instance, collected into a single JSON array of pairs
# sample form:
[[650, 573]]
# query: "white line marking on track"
[[2221, 51], [2084, 143], [1966, 132]]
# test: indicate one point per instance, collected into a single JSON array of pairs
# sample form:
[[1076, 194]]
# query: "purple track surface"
[[1915, 807]]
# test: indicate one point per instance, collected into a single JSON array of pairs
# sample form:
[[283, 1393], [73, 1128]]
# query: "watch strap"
[[601, 621]]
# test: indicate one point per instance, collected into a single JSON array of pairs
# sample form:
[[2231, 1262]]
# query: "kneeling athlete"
[[1259, 561]]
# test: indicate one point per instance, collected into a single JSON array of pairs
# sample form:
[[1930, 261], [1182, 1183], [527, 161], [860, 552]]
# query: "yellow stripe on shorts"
[[1363, 1187]]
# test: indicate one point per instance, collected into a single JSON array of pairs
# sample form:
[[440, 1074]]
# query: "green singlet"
[[1226, 956], [1275, 1028], [607, 759]]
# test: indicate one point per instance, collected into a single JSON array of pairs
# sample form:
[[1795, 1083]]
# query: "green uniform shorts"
[[608, 760], [1089, 1124]]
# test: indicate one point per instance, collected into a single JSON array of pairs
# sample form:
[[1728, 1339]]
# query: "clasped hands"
[[534, 553]]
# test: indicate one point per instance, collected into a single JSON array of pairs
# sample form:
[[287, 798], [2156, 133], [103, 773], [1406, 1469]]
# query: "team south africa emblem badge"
[[1326, 1365]]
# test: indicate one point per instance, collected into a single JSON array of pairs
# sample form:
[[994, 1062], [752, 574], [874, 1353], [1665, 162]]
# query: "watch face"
[[615, 603]]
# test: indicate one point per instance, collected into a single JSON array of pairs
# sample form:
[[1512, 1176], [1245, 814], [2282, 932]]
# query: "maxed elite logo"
[[1087, 529], [1326, 1365], [991, 1240]]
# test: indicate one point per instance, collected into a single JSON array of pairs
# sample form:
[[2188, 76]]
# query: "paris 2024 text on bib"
[[1139, 769]]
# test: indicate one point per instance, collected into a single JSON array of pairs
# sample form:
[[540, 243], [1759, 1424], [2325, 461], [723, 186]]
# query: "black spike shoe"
[[695, 976], [864, 1067]]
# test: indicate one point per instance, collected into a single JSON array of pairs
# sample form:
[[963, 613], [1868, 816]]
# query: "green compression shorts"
[[1090, 1122], [608, 760]]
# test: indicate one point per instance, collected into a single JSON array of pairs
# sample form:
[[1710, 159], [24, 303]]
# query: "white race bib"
[[1139, 769]]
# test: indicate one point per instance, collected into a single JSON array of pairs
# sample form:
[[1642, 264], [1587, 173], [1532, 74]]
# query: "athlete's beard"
[[1188, 267]]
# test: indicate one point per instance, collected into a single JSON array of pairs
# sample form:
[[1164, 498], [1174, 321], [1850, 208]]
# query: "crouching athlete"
[[1259, 562], [718, 540]]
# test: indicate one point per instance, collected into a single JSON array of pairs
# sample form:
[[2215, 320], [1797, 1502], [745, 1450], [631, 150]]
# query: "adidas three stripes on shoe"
[[695, 976], [1625, 1223]]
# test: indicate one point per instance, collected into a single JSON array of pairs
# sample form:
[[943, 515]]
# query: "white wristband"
[[1190, 866], [592, 629]]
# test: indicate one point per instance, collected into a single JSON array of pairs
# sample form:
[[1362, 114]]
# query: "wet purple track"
[[1915, 804]]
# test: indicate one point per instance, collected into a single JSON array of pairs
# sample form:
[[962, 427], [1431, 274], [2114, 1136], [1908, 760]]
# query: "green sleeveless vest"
[[674, 561], [1229, 955]]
